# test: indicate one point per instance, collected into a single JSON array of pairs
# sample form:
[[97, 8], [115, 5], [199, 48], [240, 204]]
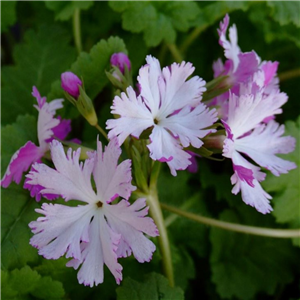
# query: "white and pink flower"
[[170, 104], [48, 127], [96, 232], [249, 136], [241, 68]]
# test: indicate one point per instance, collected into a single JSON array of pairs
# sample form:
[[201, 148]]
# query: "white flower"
[[98, 232], [168, 103]]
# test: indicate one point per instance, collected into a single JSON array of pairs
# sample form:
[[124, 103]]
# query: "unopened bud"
[[75, 93], [120, 60], [70, 83]]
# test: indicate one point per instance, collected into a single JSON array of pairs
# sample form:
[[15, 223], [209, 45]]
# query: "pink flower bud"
[[120, 60], [70, 83]]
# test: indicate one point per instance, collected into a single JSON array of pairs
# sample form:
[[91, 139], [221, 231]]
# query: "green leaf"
[[7, 292], [286, 201], [8, 14], [244, 265], [217, 10], [273, 31], [17, 212], [184, 268], [285, 12], [48, 289], [91, 66], [64, 10], [24, 280], [39, 60], [15, 136], [154, 287], [158, 20]]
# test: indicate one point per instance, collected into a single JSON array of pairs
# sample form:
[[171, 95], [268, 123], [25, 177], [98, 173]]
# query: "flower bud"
[[120, 60], [70, 83], [75, 93]]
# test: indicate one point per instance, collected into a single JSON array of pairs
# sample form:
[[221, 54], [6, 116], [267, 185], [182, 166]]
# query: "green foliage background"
[[38, 45]]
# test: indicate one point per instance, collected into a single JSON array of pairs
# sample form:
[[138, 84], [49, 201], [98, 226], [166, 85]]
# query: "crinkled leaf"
[[58, 271], [23, 280], [215, 11], [286, 201], [7, 292], [48, 289], [64, 10], [17, 206], [26, 282], [183, 264], [8, 14], [273, 31], [244, 265], [158, 20], [285, 12], [17, 211], [91, 66], [154, 287], [39, 60]]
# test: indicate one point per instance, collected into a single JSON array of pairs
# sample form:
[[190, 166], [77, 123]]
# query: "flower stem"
[[190, 38], [261, 231], [175, 52], [76, 30], [289, 74], [156, 213], [163, 240], [101, 130]]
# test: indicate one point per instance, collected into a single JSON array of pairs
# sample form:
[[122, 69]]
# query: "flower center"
[[99, 204]]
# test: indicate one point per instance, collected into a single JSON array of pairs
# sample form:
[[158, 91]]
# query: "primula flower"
[[98, 232], [247, 135], [241, 67], [170, 104], [48, 127]]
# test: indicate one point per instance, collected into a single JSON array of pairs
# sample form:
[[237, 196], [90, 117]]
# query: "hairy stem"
[[163, 240], [270, 232], [156, 213], [76, 30]]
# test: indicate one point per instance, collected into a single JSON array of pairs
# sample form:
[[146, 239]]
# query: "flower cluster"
[[168, 113], [248, 111]]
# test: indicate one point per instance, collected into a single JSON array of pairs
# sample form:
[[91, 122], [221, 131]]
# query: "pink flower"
[[96, 232], [248, 135], [70, 83], [120, 60], [47, 127], [168, 103], [242, 68]]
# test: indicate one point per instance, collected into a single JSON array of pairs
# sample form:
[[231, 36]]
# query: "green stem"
[[175, 52], [190, 39], [163, 240], [76, 30], [101, 130], [261, 231], [289, 74]]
